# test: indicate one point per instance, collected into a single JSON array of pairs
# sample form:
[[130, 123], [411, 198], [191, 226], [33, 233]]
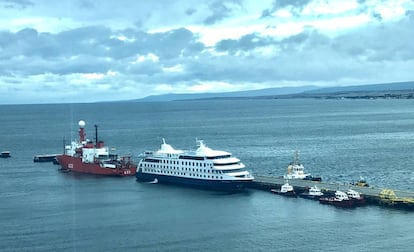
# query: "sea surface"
[[43, 209]]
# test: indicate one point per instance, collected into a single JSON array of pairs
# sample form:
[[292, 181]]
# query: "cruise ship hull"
[[219, 185], [75, 164]]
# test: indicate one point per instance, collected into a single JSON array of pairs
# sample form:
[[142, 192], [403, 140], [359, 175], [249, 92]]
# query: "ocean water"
[[42, 209]]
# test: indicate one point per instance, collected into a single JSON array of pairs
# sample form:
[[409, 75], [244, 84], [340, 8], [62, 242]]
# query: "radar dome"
[[81, 123]]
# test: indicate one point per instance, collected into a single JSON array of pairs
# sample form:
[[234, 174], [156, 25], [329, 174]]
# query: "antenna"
[[296, 157], [64, 146], [96, 134]]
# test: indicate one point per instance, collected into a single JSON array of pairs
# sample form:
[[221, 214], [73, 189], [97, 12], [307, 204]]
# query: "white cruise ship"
[[204, 167]]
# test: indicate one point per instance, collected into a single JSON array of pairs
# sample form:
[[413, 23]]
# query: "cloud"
[[380, 43], [16, 4], [91, 49], [354, 55], [86, 4], [213, 46], [245, 43], [220, 10], [295, 5], [190, 11]]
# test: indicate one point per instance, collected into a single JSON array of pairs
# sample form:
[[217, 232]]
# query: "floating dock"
[[45, 158], [373, 195]]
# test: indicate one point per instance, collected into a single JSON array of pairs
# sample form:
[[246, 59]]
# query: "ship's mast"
[[296, 158], [96, 135], [64, 146]]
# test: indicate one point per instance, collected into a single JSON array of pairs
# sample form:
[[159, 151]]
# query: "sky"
[[89, 50]]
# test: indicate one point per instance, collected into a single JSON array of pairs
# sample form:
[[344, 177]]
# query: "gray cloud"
[[190, 11], [96, 50], [86, 4], [297, 6], [92, 49], [353, 55], [277, 4], [16, 4], [245, 43], [220, 10], [380, 43]]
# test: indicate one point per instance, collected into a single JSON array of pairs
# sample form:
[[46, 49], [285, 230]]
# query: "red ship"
[[84, 156]]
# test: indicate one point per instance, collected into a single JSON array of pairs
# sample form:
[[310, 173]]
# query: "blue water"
[[42, 209]]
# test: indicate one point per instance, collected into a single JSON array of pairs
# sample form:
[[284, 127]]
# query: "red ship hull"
[[75, 164]]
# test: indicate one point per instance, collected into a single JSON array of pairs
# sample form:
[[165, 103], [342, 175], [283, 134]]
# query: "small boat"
[[361, 182], [340, 199], [296, 170], [5, 154], [313, 193], [358, 199], [285, 190]]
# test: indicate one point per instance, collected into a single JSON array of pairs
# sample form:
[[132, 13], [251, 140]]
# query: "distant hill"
[[240, 94], [397, 86], [386, 90], [398, 90]]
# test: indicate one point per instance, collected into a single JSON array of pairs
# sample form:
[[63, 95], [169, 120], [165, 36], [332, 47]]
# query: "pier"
[[373, 195], [45, 158]]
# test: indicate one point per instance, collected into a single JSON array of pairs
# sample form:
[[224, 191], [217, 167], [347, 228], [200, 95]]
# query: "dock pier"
[[45, 158], [373, 195]]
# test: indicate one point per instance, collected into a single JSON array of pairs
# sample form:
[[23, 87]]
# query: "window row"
[[183, 173], [175, 162], [179, 169]]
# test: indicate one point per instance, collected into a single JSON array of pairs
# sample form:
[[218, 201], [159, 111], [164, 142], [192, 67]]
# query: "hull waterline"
[[75, 164], [218, 185]]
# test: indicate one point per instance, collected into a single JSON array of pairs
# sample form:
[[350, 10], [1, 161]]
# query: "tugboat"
[[84, 156], [362, 182], [296, 170], [313, 193], [285, 190], [340, 199], [358, 199]]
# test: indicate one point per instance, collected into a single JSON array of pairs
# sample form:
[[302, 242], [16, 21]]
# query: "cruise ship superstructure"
[[204, 167]]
